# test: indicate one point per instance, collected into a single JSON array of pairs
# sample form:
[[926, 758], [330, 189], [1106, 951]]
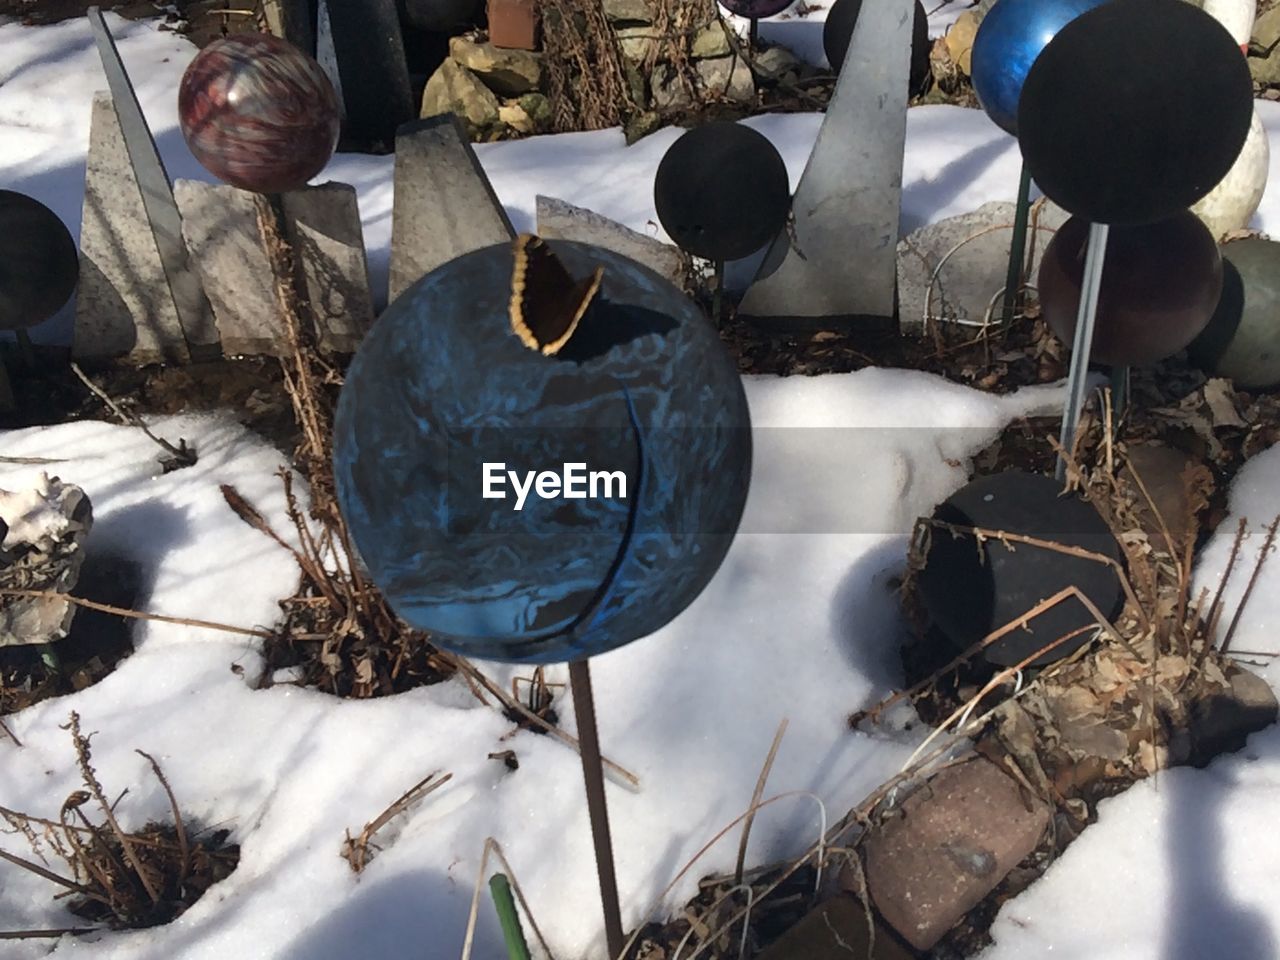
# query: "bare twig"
[[356, 849], [4, 728], [182, 454], [178, 825], [135, 614], [1248, 590], [50, 934]]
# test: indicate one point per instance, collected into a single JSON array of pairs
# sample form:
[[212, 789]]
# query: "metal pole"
[[593, 774], [1018, 244], [1083, 341], [1119, 390]]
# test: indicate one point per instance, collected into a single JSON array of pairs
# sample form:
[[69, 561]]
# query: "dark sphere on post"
[[258, 113], [1242, 338], [756, 9], [970, 591], [1160, 284], [838, 31], [721, 191], [1009, 39], [39, 263], [443, 400], [1134, 110]]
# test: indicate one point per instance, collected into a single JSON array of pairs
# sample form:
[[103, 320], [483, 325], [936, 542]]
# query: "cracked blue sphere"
[[536, 508]]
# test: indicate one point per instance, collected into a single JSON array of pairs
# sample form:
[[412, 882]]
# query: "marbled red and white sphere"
[[258, 113]]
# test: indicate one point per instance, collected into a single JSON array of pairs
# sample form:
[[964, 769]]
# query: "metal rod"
[[717, 298], [508, 919], [593, 774], [1018, 244], [753, 33], [1119, 390], [157, 199], [1083, 342]]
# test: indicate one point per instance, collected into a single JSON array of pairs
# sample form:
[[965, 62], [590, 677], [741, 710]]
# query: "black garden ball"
[[1135, 110], [970, 591], [721, 191], [838, 30], [756, 9], [39, 264]]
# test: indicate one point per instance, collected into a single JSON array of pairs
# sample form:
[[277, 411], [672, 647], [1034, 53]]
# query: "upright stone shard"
[[564, 221], [124, 306], [223, 229], [444, 204], [837, 271], [322, 224]]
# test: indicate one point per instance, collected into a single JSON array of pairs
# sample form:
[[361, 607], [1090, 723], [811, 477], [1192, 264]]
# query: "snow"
[[800, 623]]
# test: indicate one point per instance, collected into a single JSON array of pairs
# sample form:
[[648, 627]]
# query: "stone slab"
[[958, 836], [970, 255], [124, 307], [369, 48], [444, 205], [558, 220], [223, 232], [839, 272], [323, 226], [836, 929]]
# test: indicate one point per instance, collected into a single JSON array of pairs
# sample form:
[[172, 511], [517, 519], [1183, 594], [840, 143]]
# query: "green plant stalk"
[[500, 888]]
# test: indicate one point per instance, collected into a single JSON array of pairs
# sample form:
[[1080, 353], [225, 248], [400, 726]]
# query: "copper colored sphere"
[[258, 113], [1160, 284]]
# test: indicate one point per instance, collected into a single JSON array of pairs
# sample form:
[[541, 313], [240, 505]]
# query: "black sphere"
[[838, 30], [722, 191], [969, 592], [39, 264], [1135, 110]]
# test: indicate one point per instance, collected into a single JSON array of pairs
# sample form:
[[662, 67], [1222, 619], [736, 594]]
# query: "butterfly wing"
[[546, 303]]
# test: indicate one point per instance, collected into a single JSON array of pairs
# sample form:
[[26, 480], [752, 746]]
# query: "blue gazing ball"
[[632, 446], [1009, 39]]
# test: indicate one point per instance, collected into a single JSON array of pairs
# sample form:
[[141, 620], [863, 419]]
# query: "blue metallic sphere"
[[1009, 39], [441, 390]]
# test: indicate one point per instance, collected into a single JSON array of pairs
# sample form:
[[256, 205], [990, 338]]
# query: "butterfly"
[[547, 304]]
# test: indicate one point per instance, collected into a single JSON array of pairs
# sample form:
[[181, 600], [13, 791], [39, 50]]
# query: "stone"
[[711, 41], [836, 929], [628, 11], [323, 226], [508, 73], [958, 836], [444, 205], [959, 40], [1221, 722], [513, 116], [775, 63], [124, 307], [43, 549], [222, 227], [455, 89], [1266, 34], [669, 92], [970, 260], [637, 43], [729, 77], [538, 109], [1160, 469], [375, 87], [839, 271], [564, 221]]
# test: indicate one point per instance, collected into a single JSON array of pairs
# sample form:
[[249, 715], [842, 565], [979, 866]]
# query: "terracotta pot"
[[513, 24]]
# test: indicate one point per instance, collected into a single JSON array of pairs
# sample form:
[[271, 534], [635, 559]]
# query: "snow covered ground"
[[797, 624]]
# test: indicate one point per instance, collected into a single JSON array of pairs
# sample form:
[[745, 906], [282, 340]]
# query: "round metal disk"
[[721, 191], [39, 264], [838, 30], [970, 591], [1242, 340], [755, 9], [1135, 110]]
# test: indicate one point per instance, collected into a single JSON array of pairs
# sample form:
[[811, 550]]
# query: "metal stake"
[[1083, 341], [157, 198], [1119, 390], [593, 774], [1017, 245]]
